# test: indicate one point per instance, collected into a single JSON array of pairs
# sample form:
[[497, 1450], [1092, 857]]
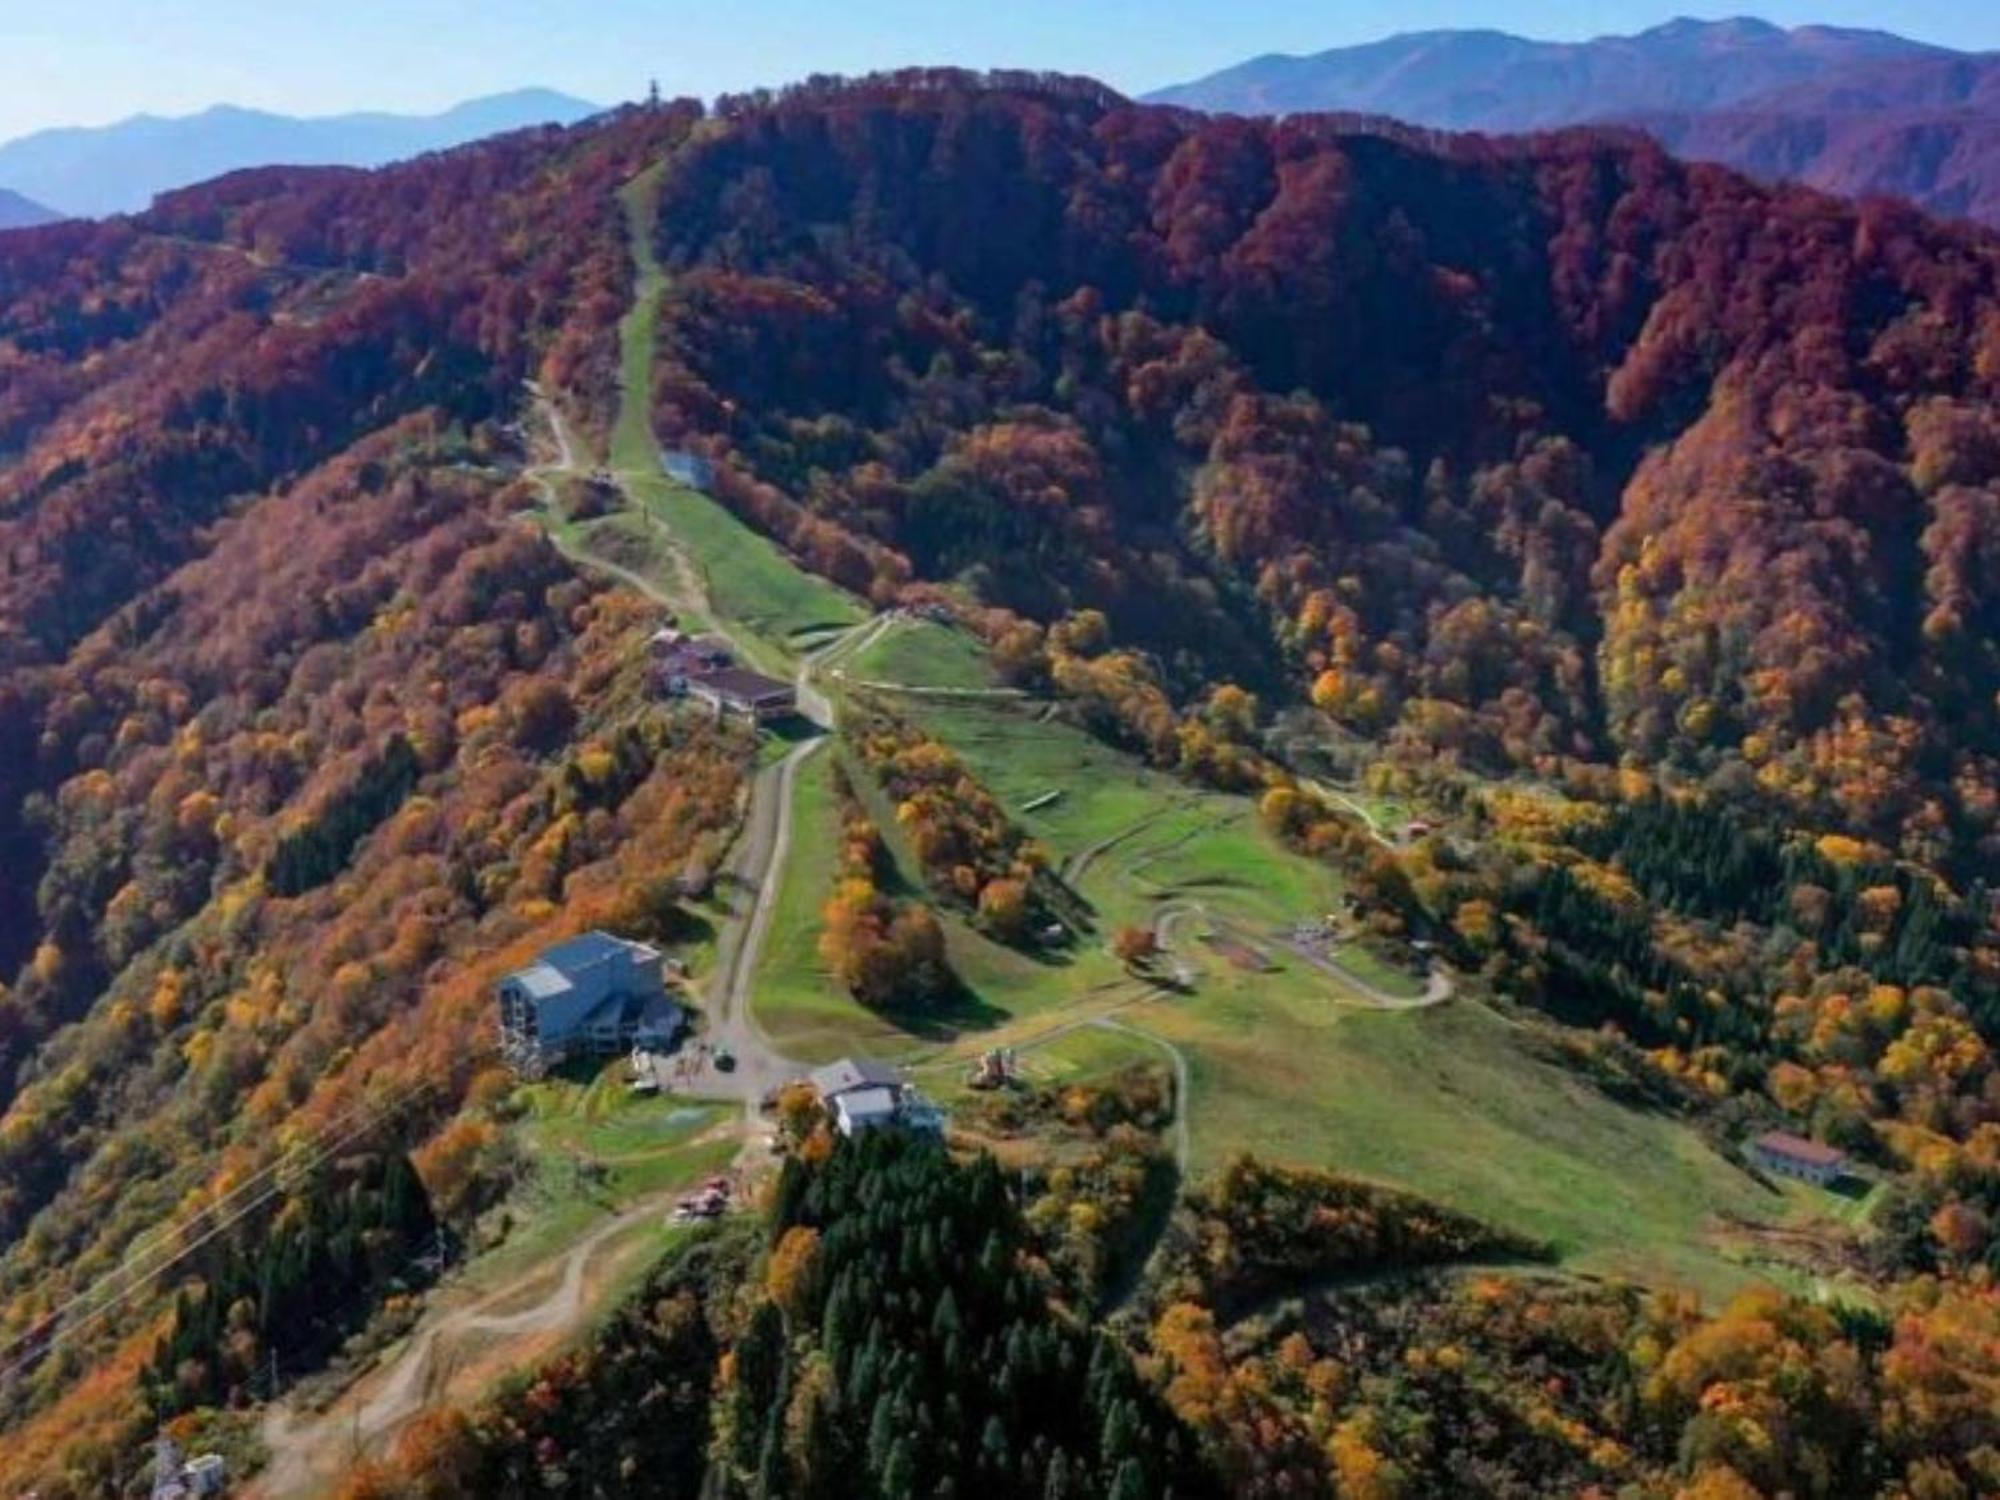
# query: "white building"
[[866, 1109], [192, 1480], [862, 1095], [1790, 1155]]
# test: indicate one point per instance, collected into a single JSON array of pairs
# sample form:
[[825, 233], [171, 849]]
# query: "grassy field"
[[596, 1147], [1129, 838], [924, 653], [753, 589], [804, 1010], [635, 1137], [797, 1001], [1457, 1102], [770, 606], [632, 442], [1084, 1054]]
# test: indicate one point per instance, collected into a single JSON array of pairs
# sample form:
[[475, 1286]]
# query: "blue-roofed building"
[[589, 997]]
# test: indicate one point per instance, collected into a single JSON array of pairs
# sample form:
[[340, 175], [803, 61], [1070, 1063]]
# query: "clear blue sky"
[[90, 61]]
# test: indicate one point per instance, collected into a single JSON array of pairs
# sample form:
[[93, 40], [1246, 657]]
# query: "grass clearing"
[[596, 1147], [798, 1002], [1456, 1103], [925, 654], [1128, 837], [1084, 1054], [769, 604], [803, 1008]]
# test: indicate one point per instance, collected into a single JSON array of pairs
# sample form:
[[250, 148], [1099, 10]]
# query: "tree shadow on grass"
[[949, 1017], [793, 730], [959, 1011], [1131, 1250]]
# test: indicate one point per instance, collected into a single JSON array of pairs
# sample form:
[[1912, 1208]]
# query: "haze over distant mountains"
[[89, 172], [17, 212], [1849, 111]]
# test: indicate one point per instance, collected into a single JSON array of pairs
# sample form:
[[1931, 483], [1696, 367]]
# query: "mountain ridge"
[[1495, 80], [1847, 111], [92, 171], [20, 212]]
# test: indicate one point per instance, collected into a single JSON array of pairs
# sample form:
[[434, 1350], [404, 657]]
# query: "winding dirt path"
[[1078, 865], [307, 1452], [873, 632], [1439, 985], [1183, 1086], [1368, 819]]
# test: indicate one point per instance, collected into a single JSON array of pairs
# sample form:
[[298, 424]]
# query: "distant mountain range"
[[17, 212], [90, 172], [1849, 111]]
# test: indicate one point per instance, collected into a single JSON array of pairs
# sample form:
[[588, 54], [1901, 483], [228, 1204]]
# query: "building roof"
[[740, 685], [671, 642], [585, 952], [1798, 1148], [559, 967], [851, 1073], [867, 1104], [646, 1012], [540, 980]]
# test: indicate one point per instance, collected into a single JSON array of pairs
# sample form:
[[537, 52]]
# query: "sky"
[[64, 63]]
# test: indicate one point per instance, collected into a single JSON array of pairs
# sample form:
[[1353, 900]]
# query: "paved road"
[[757, 867], [754, 872]]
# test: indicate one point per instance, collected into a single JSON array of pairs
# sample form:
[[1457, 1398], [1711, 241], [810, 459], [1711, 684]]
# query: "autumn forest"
[[1630, 528]]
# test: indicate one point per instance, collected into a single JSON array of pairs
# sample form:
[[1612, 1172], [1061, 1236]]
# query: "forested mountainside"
[[1533, 450], [1926, 131], [1646, 518], [307, 736]]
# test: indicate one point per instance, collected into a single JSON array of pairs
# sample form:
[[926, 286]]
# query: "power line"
[[319, 1153], [164, 1237], [166, 1234]]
